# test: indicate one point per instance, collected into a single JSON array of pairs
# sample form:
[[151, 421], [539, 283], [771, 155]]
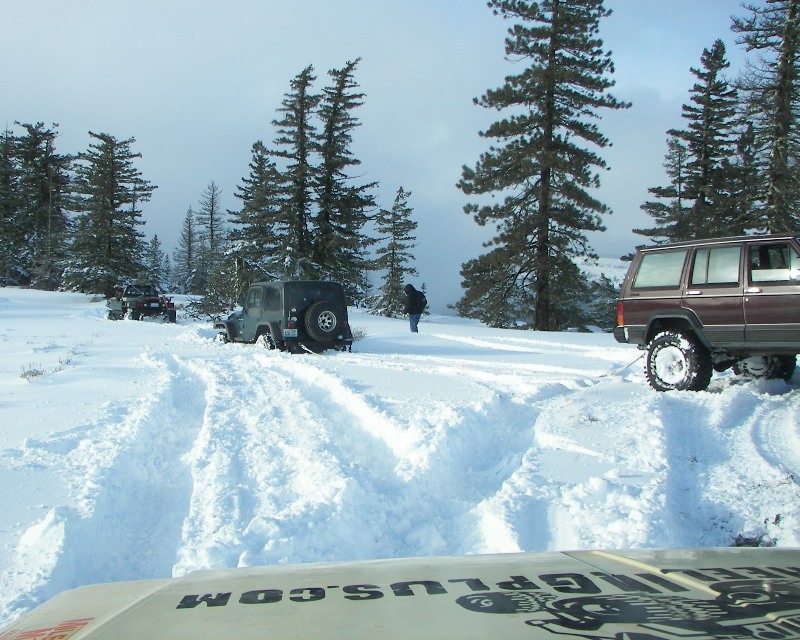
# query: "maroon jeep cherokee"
[[709, 305]]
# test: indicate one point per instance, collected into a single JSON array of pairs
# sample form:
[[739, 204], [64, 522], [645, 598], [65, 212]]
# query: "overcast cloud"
[[198, 82]]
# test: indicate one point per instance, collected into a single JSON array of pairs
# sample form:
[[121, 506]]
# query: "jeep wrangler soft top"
[[711, 305], [291, 315]]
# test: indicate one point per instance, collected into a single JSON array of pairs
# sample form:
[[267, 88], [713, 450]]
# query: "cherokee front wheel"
[[677, 360]]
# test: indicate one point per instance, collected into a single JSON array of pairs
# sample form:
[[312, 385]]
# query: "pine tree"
[[697, 161], [772, 92], [156, 265], [210, 218], [11, 238], [107, 247], [296, 144], [217, 272], [185, 256], [43, 194], [339, 244], [743, 198], [259, 230], [393, 256], [543, 173], [669, 210]]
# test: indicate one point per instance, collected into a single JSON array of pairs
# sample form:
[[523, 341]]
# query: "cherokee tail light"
[[620, 319]]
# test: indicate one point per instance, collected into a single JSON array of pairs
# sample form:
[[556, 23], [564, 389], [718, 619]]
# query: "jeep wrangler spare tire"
[[677, 360], [322, 321]]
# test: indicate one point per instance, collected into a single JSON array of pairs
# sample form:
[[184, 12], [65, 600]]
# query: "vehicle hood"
[[701, 593]]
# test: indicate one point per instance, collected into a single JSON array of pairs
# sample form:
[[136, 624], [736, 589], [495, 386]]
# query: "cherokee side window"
[[774, 263], [716, 266], [660, 269]]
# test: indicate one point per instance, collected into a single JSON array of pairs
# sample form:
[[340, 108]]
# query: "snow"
[[137, 450]]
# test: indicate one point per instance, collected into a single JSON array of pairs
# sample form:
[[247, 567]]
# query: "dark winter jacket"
[[415, 301]]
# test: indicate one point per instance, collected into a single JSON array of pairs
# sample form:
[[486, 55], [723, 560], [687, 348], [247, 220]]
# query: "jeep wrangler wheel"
[[265, 341], [322, 321], [677, 360]]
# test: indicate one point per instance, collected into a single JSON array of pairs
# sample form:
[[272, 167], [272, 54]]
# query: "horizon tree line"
[[75, 221]]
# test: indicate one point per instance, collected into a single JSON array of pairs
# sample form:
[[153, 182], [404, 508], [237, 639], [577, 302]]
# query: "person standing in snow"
[[415, 305]]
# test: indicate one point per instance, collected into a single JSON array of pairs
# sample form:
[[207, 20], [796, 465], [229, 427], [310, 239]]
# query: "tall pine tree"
[[43, 197], [259, 228], [772, 91], [11, 238], [108, 247], [295, 145], [394, 258], [186, 256], [339, 243], [700, 195], [544, 175]]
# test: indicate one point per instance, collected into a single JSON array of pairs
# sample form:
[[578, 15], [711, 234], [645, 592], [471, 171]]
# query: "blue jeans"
[[413, 320]]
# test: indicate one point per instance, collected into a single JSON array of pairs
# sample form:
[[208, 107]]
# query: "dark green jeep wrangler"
[[294, 316]]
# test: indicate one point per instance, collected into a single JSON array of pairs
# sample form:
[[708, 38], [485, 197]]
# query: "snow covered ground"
[[142, 450]]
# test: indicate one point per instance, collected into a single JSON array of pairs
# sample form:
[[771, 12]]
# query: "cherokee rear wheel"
[[677, 360]]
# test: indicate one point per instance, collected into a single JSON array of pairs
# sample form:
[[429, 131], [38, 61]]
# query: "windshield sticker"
[[61, 631]]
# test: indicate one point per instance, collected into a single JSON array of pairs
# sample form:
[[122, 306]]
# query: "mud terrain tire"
[[322, 322], [677, 360]]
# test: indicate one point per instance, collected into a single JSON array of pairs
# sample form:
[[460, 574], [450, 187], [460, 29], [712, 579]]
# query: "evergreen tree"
[[603, 307], [210, 218], [543, 173], [669, 210], [772, 93], [42, 221], [296, 144], [393, 257], [156, 265], [701, 191], [259, 230], [108, 247], [217, 276], [709, 140], [185, 256], [11, 238], [339, 244], [743, 198]]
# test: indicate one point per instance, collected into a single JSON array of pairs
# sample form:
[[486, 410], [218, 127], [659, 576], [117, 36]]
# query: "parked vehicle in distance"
[[137, 301], [291, 315], [707, 305]]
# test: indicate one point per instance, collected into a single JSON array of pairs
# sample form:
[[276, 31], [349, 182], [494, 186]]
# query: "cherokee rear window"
[[716, 265], [660, 269]]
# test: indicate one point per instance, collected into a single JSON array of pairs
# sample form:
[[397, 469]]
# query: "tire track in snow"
[[130, 492], [574, 489], [721, 447], [405, 478], [759, 421], [257, 432]]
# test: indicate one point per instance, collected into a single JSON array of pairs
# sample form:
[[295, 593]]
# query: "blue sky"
[[197, 82]]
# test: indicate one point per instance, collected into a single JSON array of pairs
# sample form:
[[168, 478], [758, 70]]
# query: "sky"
[[197, 82]]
